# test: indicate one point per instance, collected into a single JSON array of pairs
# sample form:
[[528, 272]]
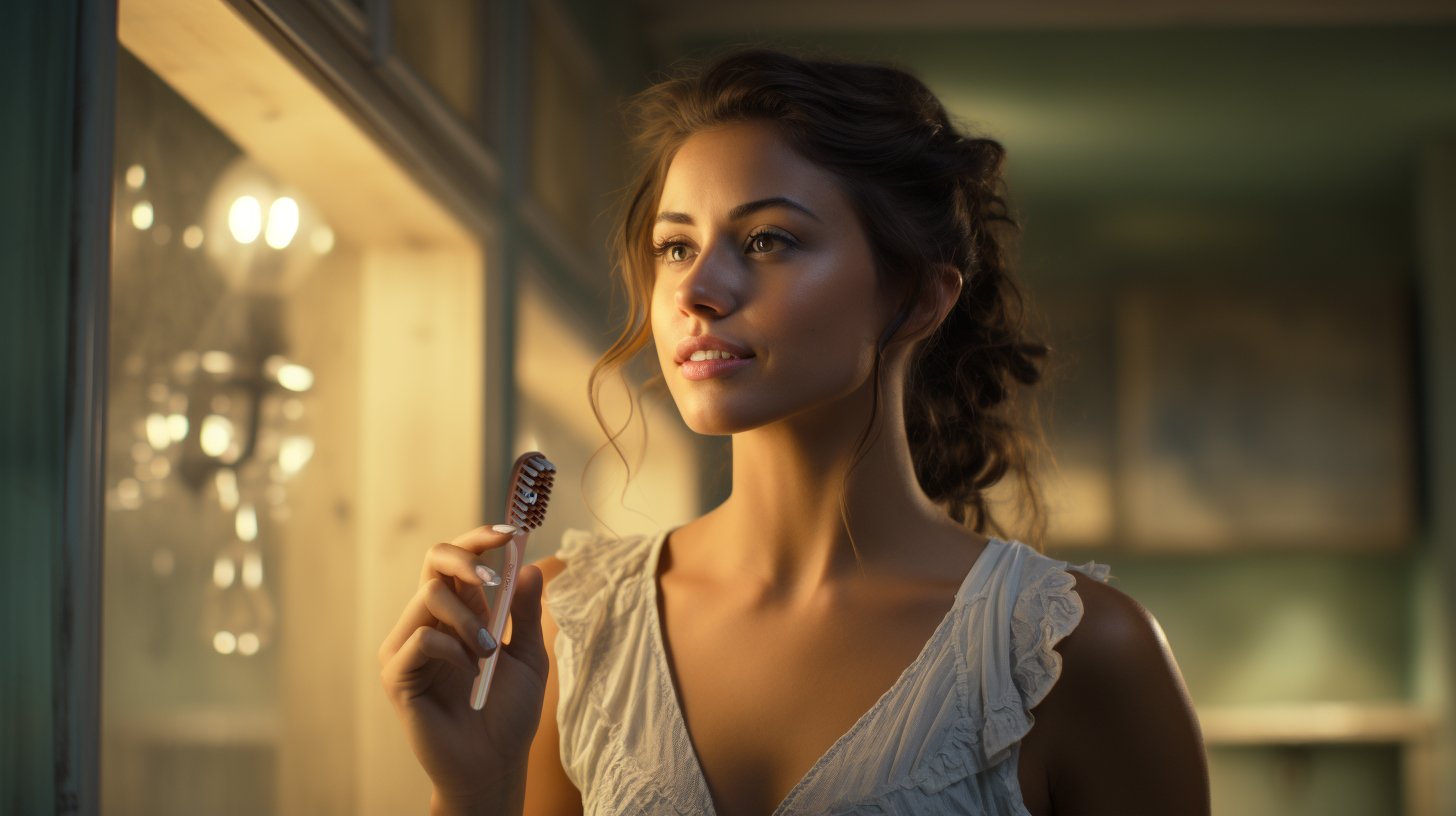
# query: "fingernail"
[[487, 575], [504, 528], [487, 643]]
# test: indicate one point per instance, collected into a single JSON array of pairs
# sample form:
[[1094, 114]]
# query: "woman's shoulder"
[[1121, 704], [1072, 629], [1118, 643]]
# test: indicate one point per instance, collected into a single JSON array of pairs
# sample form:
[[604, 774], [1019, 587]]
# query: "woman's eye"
[[674, 252], [765, 242]]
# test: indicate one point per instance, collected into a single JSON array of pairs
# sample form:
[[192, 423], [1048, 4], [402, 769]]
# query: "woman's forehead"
[[722, 168]]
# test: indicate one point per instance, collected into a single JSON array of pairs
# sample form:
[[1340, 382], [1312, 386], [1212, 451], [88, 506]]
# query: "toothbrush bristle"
[[530, 490]]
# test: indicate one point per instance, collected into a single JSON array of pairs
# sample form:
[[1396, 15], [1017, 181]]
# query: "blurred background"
[[359, 263]]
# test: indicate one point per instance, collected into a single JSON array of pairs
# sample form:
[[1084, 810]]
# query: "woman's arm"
[[1117, 733], [548, 790]]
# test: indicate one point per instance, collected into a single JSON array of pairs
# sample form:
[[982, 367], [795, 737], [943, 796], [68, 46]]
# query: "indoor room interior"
[[359, 260]]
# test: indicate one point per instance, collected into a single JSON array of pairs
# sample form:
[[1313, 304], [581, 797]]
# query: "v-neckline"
[[678, 720]]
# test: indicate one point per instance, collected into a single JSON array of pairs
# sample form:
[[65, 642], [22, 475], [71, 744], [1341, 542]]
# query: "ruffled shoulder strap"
[[597, 564], [1031, 604]]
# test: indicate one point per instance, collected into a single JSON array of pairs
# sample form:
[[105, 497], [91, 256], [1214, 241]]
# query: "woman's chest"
[[764, 696]]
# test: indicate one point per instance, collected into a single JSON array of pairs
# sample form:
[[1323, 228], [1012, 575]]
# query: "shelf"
[[1316, 723]]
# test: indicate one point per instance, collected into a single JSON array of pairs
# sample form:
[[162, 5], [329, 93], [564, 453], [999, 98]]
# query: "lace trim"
[[1045, 611]]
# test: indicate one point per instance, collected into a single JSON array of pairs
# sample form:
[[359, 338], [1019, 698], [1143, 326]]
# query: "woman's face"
[[758, 247]]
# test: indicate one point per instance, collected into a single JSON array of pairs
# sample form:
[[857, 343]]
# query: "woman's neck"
[[782, 528]]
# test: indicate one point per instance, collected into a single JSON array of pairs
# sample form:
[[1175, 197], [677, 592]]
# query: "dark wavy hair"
[[926, 195]]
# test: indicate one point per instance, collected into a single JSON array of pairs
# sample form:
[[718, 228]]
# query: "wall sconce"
[[225, 418]]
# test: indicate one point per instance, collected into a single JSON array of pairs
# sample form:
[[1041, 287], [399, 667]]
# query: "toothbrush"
[[531, 479]]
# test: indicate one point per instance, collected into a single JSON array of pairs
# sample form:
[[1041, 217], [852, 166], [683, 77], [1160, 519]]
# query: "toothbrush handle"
[[502, 607]]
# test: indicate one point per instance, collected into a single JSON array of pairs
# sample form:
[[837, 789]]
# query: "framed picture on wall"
[[1265, 416]]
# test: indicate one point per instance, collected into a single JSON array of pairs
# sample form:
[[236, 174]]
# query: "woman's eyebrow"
[[741, 210]]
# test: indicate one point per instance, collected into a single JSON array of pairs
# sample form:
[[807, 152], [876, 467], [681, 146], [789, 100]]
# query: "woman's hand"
[[430, 660]]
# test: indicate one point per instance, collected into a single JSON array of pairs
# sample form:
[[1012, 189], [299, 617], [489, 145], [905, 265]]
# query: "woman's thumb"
[[527, 644]]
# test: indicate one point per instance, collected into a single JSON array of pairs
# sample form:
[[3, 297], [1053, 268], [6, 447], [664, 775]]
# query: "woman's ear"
[[936, 303], [947, 292], [934, 306]]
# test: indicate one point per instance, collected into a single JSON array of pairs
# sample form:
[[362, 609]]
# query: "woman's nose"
[[711, 285]]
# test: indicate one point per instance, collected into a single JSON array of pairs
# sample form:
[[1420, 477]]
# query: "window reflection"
[[209, 426], [299, 334]]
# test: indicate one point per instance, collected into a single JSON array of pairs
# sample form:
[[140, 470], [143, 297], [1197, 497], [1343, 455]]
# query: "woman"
[[840, 635]]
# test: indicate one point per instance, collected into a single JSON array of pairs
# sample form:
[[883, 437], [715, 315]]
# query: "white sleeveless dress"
[[943, 739]]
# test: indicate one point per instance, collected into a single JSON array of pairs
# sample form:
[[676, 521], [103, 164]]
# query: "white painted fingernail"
[[487, 575], [504, 528]]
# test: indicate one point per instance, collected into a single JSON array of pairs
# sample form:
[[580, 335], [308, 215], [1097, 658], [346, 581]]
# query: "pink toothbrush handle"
[[498, 613]]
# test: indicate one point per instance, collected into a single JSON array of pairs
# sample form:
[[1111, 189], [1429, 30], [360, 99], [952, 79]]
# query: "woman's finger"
[[436, 602], [484, 538], [450, 561], [422, 646]]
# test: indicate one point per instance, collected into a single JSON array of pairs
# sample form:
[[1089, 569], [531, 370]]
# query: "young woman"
[[842, 634]]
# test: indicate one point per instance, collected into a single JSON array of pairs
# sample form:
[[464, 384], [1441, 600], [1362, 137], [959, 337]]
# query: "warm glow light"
[[252, 570], [217, 362], [245, 219], [226, 482], [177, 427], [246, 523], [216, 435], [292, 376], [295, 377], [322, 240], [294, 453], [224, 642], [159, 468], [158, 434], [136, 176], [163, 562], [247, 644], [129, 493], [192, 237], [293, 409], [142, 452], [223, 572], [282, 222], [142, 215]]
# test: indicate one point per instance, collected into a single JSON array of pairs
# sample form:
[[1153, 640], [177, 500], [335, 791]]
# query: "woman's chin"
[[718, 420], [716, 426]]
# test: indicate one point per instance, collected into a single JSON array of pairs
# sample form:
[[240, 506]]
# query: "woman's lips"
[[707, 369]]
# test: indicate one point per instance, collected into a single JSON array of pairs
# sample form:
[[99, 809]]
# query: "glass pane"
[[209, 430], [440, 40], [267, 511]]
